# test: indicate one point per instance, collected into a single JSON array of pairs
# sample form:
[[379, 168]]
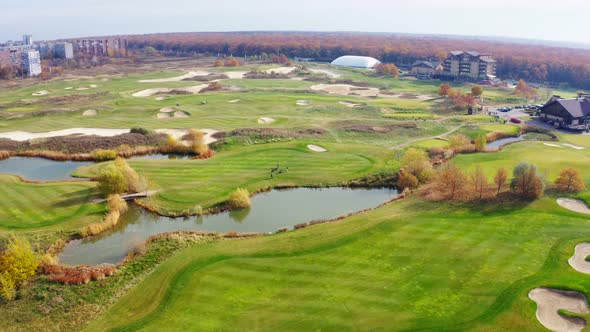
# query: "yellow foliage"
[[18, 262], [239, 199]]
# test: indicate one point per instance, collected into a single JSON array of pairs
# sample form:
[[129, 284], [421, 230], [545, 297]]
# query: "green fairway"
[[44, 210], [187, 183], [408, 266]]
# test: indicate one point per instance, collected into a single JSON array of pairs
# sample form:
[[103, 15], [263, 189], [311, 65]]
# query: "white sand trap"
[[303, 102], [574, 146], [234, 101], [573, 205], [237, 75], [346, 89], [160, 98], [181, 114], [280, 70], [82, 89], [190, 74], [164, 116], [22, 136], [179, 133], [105, 79], [349, 104], [316, 148], [552, 145], [330, 73], [578, 260], [68, 88], [90, 113], [167, 109], [40, 93], [266, 120], [93, 86], [550, 301], [150, 92]]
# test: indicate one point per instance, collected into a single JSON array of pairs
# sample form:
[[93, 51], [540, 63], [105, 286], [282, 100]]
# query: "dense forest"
[[530, 62]]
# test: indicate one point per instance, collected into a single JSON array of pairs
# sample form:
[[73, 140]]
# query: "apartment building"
[[31, 62], [470, 65]]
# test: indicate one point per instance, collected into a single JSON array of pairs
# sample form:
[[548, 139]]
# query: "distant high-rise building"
[[28, 40], [469, 65], [63, 50], [31, 62]]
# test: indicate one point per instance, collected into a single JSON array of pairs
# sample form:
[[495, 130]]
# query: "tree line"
[[530, 62]]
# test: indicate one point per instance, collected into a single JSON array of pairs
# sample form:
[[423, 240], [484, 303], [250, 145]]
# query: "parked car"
[[515, 120]]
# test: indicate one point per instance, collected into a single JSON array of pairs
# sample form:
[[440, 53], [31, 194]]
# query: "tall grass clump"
[[239, 199], [4, 155], [104, 155], [116, 206], [119, 178]]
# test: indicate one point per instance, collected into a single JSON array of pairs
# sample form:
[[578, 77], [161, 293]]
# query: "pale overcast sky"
[[563, 20]]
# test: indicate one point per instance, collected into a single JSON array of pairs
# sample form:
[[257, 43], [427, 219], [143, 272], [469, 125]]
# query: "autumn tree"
[[570, 180], [218, 63], [500, 179], [476, 90], [480, 142], [444, 89], [480, 183], [450, 183], [407, 180], [523, 90], [388, 69], [18, 262], [526, 182], [416, 162], [231, 62], [111, 180], [458, 141]]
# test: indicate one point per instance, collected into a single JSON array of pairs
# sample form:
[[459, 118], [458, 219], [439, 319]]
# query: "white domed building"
[[356, 61]]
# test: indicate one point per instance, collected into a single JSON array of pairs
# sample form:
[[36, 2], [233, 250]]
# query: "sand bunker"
[[167, 109], [25, 136], [40, 93], [189, 90], [160, 98], [578, 260], [266, 120], [350, 104], [280, 70], [190, 74], [238, 75], [82, 89], [550, 301], [574, 146], [163, 115], [93, 86], [90, 113], [330, 73], [552, 145], [303, 102], [316, 148], [181, 114], [68, 88], [179, 133], [573, 205], [346, 90], [234, 101], [22, 136]]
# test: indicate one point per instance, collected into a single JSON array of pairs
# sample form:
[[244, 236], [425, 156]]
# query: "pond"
[[40, 169], [269, 212], [501, 142]]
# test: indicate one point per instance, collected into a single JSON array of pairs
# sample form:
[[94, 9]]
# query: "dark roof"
[[473, 53], [487, 60], [576, 107], [456, 53]]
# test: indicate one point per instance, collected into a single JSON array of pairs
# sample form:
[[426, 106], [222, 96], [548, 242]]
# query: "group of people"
[[278, 170]]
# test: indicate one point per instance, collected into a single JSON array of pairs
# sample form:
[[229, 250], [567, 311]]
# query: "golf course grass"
[[408, 266]]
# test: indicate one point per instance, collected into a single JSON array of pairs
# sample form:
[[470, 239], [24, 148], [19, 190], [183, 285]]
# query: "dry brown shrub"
[[77, 275]]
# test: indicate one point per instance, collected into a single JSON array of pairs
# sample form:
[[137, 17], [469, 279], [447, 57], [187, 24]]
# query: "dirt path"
[[410, 142]]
